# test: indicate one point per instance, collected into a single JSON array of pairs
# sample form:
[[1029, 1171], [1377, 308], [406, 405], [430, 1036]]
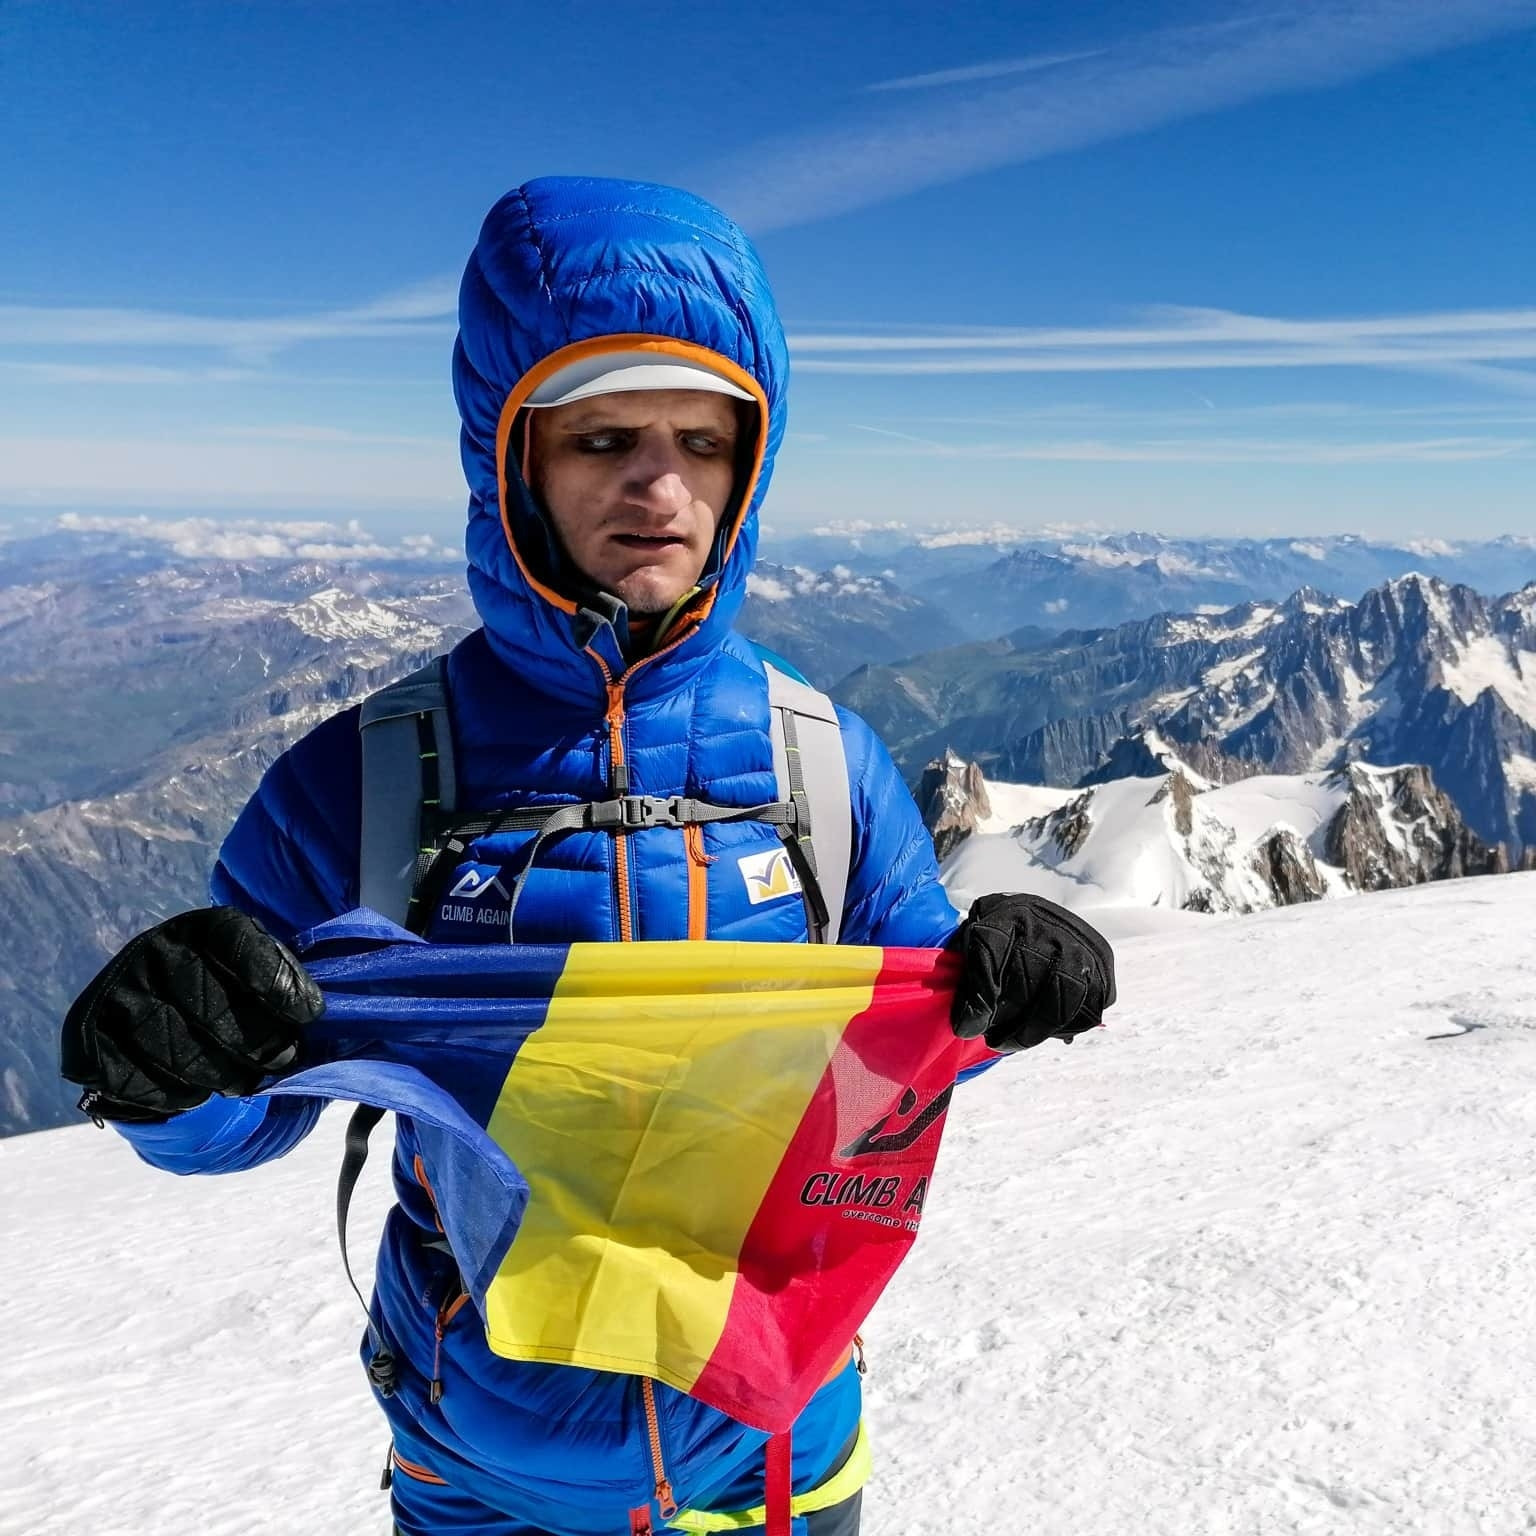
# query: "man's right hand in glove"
[[206, 1002]]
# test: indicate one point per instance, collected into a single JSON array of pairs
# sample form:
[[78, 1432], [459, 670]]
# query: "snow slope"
[[1255, 1259]]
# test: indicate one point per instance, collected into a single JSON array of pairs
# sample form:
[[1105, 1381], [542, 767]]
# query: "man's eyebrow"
[[587, 421], [598, 420]]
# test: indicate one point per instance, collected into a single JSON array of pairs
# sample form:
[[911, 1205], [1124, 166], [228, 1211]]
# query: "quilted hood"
[[570, 266]]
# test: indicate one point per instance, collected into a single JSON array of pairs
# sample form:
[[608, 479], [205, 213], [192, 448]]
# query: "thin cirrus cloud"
[[997, 70], [126, 373], [1207, 450], [423, 309], [1482, 346], [933, 135]]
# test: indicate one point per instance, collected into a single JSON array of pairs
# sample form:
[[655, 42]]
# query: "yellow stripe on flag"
[[648, 1115]]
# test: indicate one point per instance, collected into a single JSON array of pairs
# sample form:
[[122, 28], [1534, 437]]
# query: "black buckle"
[[641, 811]]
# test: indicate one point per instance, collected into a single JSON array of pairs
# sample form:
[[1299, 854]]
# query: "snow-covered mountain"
[[1253, 1259], [1175, 840], [1415, 672]]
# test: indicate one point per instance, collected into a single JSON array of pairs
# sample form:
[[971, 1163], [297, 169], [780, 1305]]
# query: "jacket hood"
[[566, 267]]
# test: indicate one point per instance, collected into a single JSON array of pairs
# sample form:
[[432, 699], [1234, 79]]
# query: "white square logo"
[[768, 876]]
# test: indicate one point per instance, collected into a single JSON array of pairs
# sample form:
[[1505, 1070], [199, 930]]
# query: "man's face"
[[636, 485]]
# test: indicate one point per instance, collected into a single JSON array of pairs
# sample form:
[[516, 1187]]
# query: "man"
[[620, 374]]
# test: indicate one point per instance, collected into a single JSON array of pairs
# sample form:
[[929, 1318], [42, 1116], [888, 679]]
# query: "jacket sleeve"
[[894, 896], [291, 862]]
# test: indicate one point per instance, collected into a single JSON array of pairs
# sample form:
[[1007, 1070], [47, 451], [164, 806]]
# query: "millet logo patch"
[[768, 876]]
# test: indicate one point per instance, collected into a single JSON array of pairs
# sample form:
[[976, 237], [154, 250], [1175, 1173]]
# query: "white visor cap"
[[614, 373]]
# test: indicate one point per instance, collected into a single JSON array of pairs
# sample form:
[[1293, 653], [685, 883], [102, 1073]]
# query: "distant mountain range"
[[145, 688], [140, 707], [828, 622], [1415, 672], [992, 582]]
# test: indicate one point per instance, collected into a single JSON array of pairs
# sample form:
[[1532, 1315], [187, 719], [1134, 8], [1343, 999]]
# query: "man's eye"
[[604, 442], [705, 443]]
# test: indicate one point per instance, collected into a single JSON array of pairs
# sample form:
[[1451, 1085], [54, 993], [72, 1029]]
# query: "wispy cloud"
[[1486, 345], [424, 309], [878, 152], [126, 373], [996, 70], [1209, 450], [304, 433]]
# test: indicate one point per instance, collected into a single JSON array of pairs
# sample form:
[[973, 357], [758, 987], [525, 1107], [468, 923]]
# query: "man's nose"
[[658, 486], [668, 493]]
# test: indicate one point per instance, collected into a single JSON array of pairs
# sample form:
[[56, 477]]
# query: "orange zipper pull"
[[618, 769], [858, 1350], [445, 1315]]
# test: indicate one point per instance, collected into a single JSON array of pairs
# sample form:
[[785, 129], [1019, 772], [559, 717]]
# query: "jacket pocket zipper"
[[445, 1315]]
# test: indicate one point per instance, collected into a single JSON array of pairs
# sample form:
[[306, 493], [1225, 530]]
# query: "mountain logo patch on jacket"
[[768, 876], [474, 883], [475, 911]]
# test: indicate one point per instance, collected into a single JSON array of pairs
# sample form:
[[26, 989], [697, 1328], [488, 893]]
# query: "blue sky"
[[1237, 268]]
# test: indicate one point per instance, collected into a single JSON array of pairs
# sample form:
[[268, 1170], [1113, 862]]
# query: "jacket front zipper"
[[618, 772], [618, 784], [666, 1503]]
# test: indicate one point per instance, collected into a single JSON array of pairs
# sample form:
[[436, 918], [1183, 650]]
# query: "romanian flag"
[[698, 1162]]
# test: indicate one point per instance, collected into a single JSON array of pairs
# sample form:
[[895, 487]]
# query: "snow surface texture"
[[1254, 1259]]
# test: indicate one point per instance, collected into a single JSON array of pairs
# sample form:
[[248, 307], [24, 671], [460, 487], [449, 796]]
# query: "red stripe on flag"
[[843, 1207]]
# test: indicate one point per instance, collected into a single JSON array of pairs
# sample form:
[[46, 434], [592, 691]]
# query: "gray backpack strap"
[[408, 782], [812, 772]]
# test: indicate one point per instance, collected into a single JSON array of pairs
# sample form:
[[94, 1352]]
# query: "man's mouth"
[[648, 541]]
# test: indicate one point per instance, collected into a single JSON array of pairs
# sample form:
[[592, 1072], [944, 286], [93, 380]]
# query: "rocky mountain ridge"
[[1178, 840], [1415, 672]]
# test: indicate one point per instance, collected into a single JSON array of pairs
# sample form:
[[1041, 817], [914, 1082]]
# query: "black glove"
[[207, 1002], [1032, 970]]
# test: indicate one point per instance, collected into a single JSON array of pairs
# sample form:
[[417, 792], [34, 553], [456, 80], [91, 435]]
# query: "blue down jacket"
[[543, 705]]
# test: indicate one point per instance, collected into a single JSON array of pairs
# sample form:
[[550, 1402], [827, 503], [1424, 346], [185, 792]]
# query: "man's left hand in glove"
[[1032, 970]]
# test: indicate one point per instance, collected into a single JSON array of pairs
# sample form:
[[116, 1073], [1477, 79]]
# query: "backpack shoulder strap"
[[408, 779], [812, 772]]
